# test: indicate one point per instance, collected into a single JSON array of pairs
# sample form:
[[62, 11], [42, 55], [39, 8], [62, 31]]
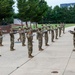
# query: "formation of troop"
[[43, 32]]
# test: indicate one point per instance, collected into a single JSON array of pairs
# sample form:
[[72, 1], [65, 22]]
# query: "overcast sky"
[[54, 2], [58, 2]]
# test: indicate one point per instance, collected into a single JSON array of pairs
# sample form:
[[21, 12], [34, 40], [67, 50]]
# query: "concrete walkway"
[[56, 59]]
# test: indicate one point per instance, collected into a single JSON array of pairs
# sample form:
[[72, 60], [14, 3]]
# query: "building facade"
[[67, 5]]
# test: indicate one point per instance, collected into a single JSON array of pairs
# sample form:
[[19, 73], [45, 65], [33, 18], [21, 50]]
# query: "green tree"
[[48, 17], [31, 10], [71, 14], [41, 11], [6, 9]]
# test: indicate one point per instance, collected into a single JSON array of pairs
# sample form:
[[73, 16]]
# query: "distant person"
[[19, 31], [60, 28], [12, 39], [22, 36], [46, 36], [56, 32], [1, 37], [40, 39], [4, 22], [52, 34], [30, 44], [63, 28]]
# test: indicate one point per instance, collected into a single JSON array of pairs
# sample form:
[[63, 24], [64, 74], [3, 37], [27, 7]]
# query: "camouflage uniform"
[[19, 34], [60, 28], [37, 33], [63, 26], [22, 33], [73, 32], [30, 45], [46, 37], [40, 35], [12, 40], [1, 38], [56, 31], [52, 34], [43, 28]]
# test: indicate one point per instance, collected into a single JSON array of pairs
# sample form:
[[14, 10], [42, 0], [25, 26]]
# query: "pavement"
[[56, 59]]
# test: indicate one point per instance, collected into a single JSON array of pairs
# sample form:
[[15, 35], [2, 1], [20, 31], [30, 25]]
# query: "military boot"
[[56, 38], [12, 49], [23, 45], [1, 45], [52, 40], [41, 49], [47, 44], [30, 56]]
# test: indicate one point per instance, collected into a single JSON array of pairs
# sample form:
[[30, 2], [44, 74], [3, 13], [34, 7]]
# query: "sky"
[[58, 2], [53, 3]]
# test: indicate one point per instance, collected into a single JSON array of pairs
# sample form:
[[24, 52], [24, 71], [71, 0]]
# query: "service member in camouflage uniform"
[[46, 36], [22, 33], [73, 32], [63, 28], [40, 39], [12, 40], [60, 28], [19, 31], [30, 45], [36, 33], [1, 38], [56, 32], [52, 34]]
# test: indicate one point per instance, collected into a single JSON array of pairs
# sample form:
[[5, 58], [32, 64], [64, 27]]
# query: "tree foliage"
[[32, 10], [36, 11], [6, 9], [58, 14]]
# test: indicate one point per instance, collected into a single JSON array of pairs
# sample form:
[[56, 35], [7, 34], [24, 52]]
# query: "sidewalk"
[[59, 57]]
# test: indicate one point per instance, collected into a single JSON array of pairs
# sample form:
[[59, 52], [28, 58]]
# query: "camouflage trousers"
[[59, 33], [46, 40], [19, 37], [74, 43], [12, 44], [1, 41], [56, 35], [52, 38], [63, 30], [30, 49], [40, 43], [23, 39]]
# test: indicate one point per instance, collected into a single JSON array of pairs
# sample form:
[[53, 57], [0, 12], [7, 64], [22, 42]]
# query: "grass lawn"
[[69, 25], [39, 26], [66, 25]]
